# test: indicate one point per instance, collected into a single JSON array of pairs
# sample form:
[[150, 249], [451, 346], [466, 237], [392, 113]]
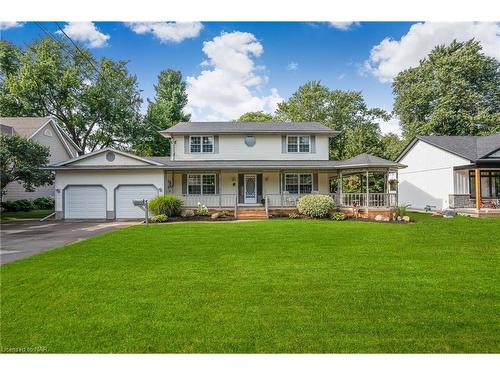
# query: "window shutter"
[[259, 187], [283, 144], [216, 144], [313, 144], [217, 182], [282, 187], [184, 183], [315, 182], [241, 188], [186, 144]]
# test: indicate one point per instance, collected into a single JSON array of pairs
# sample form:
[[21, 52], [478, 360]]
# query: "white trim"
[[298, 144], [70, 161], [201, 144]]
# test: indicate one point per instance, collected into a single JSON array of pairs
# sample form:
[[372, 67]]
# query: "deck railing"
[[211, 201]]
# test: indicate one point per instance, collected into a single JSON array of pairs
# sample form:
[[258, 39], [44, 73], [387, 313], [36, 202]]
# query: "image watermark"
[[24, 349]]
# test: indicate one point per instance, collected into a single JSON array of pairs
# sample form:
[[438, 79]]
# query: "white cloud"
[[87, 33], [390, 56], [292, 66], [341, 76], [230, 85], [10, 25], [174, 32], [344, 26], [391, 126]]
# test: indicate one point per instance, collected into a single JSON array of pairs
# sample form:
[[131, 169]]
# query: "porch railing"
[[367, 200], [211, 201]]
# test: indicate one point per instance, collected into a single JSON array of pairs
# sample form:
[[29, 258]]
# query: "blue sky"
[[232, 67]]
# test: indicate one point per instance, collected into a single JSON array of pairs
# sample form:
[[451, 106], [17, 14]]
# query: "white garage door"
[[85, 202], [125, 194]]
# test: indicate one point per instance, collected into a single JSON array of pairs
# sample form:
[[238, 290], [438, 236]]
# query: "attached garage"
[[126, 194], [85, 202]]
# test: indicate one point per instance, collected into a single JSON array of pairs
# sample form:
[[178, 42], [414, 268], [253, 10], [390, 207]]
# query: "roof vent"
[[110, 156], [250, 140]]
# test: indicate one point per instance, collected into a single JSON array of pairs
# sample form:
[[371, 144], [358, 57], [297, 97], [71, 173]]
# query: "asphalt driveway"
[[23, 238]]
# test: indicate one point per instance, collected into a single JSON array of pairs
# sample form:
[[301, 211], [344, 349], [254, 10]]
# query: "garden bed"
[[200, 218]]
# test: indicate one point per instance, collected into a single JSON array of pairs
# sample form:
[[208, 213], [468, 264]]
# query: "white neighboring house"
[[45, 131], [223, 165], [441, 172]]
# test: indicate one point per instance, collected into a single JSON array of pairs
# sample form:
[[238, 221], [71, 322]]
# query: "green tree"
[[392, 146], [345, 111], [97, 102], [165, 110], [455, 90], [20, 160], [259, 116]]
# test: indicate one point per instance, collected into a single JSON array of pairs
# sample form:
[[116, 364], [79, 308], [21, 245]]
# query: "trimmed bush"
[[169, 205], [159, 218], [338, 216], [10, 206], [315, 205], [44, 203], [202, 210]]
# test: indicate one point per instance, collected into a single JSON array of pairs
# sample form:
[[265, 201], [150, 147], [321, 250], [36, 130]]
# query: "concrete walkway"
[[23, 238]]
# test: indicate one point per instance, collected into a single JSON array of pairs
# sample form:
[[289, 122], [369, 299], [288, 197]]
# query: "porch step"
[[251, 214]]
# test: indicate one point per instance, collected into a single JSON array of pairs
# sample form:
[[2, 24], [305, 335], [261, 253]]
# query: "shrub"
[[161, 218], [24, 205], [402, 210], [338, 216], [202, 210], [315, 205], [165, 205], [294, 215], [44, 203], [10, 206]]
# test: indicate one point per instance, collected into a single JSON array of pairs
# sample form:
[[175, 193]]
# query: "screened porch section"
[[470, 192]]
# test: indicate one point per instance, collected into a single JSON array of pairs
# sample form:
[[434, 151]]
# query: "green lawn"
[[34, 214], [277, 286]]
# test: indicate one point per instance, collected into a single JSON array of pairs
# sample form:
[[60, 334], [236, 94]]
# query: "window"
[[201, 144], [299, 143], [298, 183], [201, 184], [490, 184]]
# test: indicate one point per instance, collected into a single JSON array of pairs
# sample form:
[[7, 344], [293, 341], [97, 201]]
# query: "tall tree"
[[97, 102], [259, 116], [20, 160], [345, 111], [455, 90], [165, 110], [392, 146]]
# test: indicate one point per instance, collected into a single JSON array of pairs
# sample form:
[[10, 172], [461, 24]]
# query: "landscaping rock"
[[379, 218], [448, 213], [215, 215], [187, 213], [406, 219]]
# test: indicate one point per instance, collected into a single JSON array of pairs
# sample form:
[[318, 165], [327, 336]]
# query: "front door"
[[250, 188]]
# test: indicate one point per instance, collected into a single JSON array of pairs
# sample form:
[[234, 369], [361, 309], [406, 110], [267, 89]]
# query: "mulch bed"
[[199, 218]]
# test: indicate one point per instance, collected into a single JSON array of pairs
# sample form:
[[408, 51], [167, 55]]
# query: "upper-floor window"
[[298, 143], [201, 144]]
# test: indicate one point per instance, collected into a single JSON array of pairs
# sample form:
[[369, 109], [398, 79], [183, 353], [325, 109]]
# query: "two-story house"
[[225, 165], [45, 131]]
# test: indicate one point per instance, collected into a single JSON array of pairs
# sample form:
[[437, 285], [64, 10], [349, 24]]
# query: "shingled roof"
[[24, 126], [472, 148], [248, 128]]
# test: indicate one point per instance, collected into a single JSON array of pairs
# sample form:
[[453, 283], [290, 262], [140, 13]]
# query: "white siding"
[[267, 147], [100, 159], [461, 182], [429, 177]]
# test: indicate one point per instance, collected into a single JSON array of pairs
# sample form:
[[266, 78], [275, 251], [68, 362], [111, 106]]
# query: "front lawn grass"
[[277, 286], [33, 214]]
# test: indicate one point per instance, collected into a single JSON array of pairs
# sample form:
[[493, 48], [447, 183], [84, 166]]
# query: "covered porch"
[[476, 189]]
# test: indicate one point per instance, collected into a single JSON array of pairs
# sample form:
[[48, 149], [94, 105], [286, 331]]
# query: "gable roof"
[[248, 128], [470, 147], [95, 153], [28, 126]]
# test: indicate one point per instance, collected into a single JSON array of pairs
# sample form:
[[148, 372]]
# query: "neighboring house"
[[441, 172], [234, 166], [45, 131]]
